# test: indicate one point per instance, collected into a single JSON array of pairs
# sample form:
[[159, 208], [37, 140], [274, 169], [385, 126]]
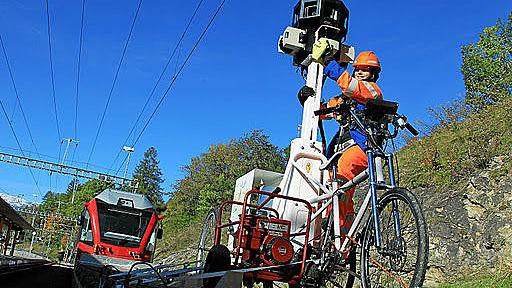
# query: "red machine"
[[262, 240], [118, 228]]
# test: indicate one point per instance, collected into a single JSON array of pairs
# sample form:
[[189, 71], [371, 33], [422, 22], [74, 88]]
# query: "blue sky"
[[236, 81]]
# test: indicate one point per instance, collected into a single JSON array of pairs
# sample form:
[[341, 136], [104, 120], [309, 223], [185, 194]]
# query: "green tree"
[[487, 66], [62, 202], [83, 193], [210, 178], [149, 175], [50, 202]]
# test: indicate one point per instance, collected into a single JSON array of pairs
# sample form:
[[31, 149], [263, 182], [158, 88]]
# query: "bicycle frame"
[[374, 173]]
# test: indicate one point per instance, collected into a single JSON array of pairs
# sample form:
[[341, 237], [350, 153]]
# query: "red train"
[[117, 229]]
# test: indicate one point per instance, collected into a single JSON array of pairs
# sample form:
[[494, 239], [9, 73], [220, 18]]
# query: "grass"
[[178, 237], [456, 150], [500, 280]]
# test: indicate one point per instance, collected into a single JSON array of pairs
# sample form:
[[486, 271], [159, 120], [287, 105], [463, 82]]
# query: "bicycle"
[[389, 231]]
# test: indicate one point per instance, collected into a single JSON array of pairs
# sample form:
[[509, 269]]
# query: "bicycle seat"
[[334, 158], [344, 147]]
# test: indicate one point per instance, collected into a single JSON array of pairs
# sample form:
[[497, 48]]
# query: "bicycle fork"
[[376, 180]]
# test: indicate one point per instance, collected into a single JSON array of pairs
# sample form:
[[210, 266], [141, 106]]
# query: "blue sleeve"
[[333, 70], [356, 133]]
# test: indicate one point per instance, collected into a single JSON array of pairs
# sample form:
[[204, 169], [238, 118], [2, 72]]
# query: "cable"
[[19, 145], [158, 81], [17, 94], [175, 77], [397, 166], [51, 70], [114, 82], [78, 68]]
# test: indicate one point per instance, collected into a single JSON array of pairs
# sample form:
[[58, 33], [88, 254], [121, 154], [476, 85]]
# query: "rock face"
[[470, 228]]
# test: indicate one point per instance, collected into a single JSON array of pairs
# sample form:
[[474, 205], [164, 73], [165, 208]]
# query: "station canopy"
[[9, 215]]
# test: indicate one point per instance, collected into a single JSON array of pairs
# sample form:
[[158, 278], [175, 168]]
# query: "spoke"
[[396, 267]]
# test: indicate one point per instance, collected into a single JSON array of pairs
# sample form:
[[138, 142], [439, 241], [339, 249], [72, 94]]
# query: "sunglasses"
[[363, 68]]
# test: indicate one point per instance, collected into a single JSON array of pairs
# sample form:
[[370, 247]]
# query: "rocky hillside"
[[462, 174], [470, 227]]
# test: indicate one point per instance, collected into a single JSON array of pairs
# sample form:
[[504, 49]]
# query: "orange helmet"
[[367, 58]]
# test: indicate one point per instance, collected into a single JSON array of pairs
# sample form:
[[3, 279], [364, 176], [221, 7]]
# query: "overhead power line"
[[150, 96], [114, 82], [17, 94], [78, 69], [51, 69], [19, 145], [175, 77]]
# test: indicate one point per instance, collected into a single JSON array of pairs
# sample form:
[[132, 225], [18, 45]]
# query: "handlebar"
[[411, 129], [398, 121], [325, 111], [401, 121]]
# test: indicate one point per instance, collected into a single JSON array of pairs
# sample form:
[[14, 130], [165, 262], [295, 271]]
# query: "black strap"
[[322, 134]]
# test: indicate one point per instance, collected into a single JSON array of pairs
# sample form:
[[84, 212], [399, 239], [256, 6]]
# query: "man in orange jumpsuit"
[[360, 86]]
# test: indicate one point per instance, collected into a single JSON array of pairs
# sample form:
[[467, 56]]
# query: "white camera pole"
[[309, 120]]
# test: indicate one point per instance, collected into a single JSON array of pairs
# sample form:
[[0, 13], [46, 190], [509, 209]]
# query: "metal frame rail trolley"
[[278, 232], [278, 227]]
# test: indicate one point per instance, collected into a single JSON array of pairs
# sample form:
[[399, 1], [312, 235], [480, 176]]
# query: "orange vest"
[[360, 91]]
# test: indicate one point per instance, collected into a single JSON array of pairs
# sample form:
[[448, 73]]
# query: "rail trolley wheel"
[[218, 259], [207, 237], [401, 261]]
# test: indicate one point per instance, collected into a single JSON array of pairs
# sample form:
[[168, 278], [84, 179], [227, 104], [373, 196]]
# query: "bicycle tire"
[[207, 236], [407, 257]]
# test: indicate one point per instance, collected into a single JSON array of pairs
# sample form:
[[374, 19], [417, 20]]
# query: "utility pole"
[[130, 150], [69, 140], [75, 180], [33, 232], [59, 204]]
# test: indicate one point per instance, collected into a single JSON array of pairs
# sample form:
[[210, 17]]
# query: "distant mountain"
[[15, 201]]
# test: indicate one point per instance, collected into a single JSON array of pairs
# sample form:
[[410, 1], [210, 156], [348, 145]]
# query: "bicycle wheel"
[[207, 237], [401, 261]]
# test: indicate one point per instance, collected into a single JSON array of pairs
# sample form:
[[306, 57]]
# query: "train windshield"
[[122, 226]]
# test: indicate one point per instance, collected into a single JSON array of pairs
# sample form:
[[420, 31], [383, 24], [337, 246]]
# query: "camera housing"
[[313, 20]]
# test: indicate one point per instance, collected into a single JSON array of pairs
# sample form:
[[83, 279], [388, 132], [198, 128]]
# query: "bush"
[[459, 149]]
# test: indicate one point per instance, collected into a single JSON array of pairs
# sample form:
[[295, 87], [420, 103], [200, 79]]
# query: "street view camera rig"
[[313, 20]]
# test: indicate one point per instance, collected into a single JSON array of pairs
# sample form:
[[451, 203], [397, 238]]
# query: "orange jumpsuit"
[[353, 161]]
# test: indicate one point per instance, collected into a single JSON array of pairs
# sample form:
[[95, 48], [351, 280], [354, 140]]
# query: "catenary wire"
[[114, 83], [17, 94], [52, 70], [19, 146], [174, 78], [159, 79], [78, 69]]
